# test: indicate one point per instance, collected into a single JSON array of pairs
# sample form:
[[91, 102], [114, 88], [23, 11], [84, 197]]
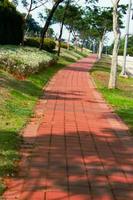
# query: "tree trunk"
[[82, 45], [59, 39], [76, 43], [100, 49], [68, 41], [94, 47], [116, 30], [28, 13], [61, 29], [48, 22], [25, 18]]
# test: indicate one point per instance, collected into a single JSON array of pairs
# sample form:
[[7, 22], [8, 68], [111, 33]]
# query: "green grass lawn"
[[17, 100], [121, 98]]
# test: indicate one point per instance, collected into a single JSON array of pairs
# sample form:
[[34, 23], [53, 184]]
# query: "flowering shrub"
[[24, 60]]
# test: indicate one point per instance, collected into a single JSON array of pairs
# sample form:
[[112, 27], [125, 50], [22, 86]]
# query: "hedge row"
[[64, 45], [129, 51], [49, 44], [23, 61]]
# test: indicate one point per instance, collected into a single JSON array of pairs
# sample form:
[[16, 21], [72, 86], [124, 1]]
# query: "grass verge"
[[17, 100], [121, 98]]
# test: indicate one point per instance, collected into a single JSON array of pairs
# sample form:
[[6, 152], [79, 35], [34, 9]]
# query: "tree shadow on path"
[[75, 165]]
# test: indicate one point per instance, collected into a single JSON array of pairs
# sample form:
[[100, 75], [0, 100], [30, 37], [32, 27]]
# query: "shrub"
[[49, 44], [129, 51], [120, 52], [72, 47], [64, 45], [11, 24], [32, 42], [23, 61]]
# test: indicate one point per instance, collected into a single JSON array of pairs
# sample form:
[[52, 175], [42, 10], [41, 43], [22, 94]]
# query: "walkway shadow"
[[21, 86], [79, 163]]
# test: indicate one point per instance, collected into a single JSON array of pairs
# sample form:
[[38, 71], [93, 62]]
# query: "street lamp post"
[[123, 73]]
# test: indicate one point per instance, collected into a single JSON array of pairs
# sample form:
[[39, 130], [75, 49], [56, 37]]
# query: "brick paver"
[[75, 147]]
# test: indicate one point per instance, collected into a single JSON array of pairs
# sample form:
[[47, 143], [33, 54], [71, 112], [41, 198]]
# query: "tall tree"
[[32, 27], [116, 30], [74, 16], [48, 21], [65, 14], [100, 22], [68, 15], [31, 5], [62, 24]]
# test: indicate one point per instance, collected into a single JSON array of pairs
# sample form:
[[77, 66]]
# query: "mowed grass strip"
[[121, 98], [17, 100]]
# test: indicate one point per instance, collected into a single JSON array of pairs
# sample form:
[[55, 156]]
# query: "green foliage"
[[121, 48], [49, 44], [129, 51], [98, 21], [120, 52], [11, 24], [32, 42], [23, 61], [72, 47], [64, 45], [72, 16], [2, 188], [129, 48], [32, 28]]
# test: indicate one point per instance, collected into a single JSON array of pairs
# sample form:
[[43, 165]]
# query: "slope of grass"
[[121, 98], [17, 100]]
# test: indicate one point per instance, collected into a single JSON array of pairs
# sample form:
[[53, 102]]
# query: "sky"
[[103, 3]]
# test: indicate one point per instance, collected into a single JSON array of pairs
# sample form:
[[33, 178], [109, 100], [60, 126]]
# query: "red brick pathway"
[[75, 148]]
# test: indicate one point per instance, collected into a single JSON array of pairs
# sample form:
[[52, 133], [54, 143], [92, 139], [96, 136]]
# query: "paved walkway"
[[75, 147]]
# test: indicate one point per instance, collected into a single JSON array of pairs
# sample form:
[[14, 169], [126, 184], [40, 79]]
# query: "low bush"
[[64, 45], [32, 42], [49, 44], [120, 52], [129, 51], [23, 61], [72, 47]]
